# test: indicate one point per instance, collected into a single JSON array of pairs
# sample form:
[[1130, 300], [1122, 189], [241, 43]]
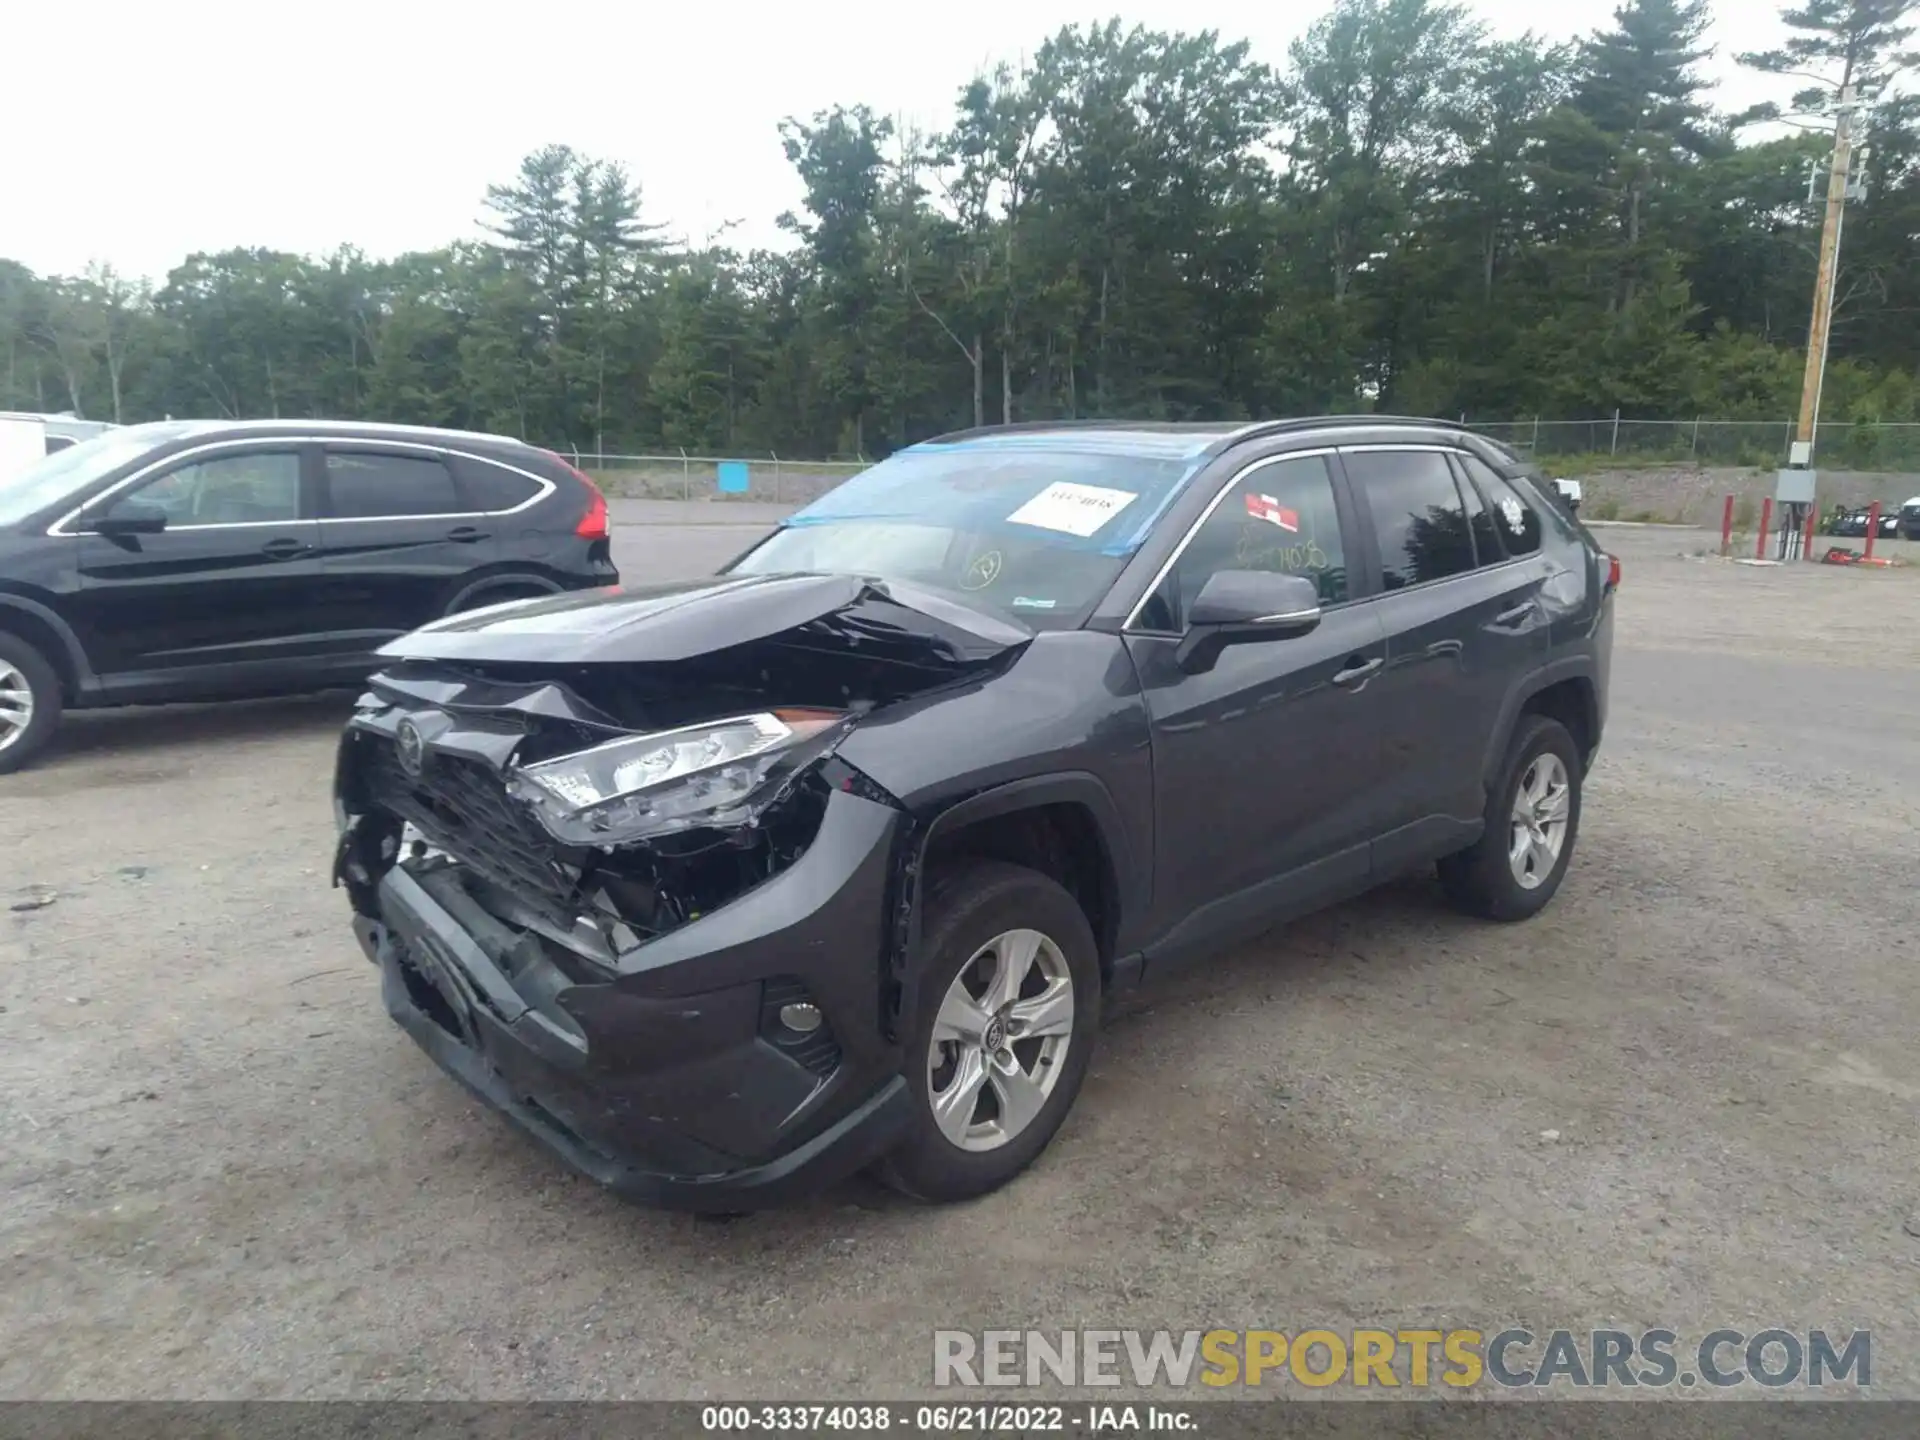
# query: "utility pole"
[[1795, 487], [1824, 280]]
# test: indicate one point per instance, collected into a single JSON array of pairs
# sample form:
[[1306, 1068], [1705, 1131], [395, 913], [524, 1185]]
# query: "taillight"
[[593, 525], [1613, 572]]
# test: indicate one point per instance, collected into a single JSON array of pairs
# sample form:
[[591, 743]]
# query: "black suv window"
[[1486, 535], [1518, 521], [490, 487], [1279, 516], [256, 488], [364, 485], [1418, 519]]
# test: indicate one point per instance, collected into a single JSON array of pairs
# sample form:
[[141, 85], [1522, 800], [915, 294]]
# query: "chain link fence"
[[1764, 444], [763, 478], [1759, 444]]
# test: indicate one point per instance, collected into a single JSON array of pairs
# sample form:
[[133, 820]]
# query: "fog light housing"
[[792, 1023], [801, 1018]]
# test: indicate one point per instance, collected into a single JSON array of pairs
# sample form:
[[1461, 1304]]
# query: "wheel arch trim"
[[1554, 672], [500, 581], [1129, 888], [75, 659]]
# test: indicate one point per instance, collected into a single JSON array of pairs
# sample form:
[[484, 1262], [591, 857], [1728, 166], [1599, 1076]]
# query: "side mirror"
[[1235, 607], [127, 517]]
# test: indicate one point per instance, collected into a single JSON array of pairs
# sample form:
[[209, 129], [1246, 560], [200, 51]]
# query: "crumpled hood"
[[626, 624]]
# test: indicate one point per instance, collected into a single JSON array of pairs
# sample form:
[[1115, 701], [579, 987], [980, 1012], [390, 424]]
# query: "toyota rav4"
[[727, 889]]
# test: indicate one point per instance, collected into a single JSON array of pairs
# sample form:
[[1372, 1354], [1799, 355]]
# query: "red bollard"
[[1726, 528], [1766, 523], [1806, 540], [1873, 526]]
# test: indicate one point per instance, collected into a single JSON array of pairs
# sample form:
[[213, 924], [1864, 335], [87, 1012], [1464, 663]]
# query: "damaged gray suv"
[[725, 890]]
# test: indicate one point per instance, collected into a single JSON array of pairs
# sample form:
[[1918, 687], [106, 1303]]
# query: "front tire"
[[1009, 1005], [1532, 821], [30, 702]]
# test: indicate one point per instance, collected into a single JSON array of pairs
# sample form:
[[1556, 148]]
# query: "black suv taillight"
[[594, 525]]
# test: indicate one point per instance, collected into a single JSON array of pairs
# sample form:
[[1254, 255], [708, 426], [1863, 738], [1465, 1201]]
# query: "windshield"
[[1037, 531], [63, 473]]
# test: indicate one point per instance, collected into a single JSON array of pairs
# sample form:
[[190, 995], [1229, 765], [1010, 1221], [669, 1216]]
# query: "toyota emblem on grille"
[[411, 746]]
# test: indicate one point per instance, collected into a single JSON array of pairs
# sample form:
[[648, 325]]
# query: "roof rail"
[[1159, 427], [1226, 429], [1380, 422]]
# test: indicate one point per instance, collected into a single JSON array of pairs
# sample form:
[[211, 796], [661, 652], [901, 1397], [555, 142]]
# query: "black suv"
[[196, 560], [728, 888]]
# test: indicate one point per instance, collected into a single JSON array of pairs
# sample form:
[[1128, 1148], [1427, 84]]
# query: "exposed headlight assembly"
[[643, 785]]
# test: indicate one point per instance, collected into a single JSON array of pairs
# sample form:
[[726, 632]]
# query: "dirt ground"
[[1683, 1096]]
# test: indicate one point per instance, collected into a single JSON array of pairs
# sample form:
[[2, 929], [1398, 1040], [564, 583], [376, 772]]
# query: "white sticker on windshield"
[[1074, 509]]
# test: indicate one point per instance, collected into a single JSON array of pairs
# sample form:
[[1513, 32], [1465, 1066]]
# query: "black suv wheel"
[[1532, 820], [30, 702], [1009, 1007]]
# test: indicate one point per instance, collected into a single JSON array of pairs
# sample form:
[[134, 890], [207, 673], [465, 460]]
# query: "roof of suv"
[[326, 427], [1180, 439]]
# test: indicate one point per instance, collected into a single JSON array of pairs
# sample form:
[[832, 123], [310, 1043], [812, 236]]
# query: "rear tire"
[[1532, 822], [995, 1056], [30, 702], [497, 595]]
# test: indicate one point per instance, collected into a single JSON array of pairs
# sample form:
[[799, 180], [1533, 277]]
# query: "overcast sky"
[[140, 132]]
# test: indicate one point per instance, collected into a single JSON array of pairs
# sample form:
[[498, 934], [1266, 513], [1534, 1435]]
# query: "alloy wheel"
[[16, 705], [1000, 1040], [1540, 809]]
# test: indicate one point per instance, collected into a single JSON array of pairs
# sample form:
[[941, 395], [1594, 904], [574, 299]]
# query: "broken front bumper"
[[671, 1081]]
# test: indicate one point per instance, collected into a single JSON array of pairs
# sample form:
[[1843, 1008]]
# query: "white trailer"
[[27, 438]]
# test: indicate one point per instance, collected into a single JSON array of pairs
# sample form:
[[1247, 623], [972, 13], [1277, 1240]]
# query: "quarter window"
[[489, 487], [1518, 522], [1419, 521], [257, 488], [1279, 517], [374, 486]]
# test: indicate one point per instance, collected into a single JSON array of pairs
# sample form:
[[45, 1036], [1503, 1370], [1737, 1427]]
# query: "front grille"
[[463, 808]]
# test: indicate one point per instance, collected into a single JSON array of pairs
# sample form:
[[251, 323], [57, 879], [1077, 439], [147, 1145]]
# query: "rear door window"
[[1487, 548], [370, 484], [1419, 521]]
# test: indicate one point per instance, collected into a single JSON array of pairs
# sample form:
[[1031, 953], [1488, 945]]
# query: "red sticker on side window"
[[1265, 507]]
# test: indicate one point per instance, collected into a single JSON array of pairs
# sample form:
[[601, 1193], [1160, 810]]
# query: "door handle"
[[1517, 613], [1359, 671], [465, 534], [284, 548]]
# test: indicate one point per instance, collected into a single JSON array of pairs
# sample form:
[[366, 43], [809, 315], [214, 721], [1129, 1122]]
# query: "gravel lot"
[[223, 1173]]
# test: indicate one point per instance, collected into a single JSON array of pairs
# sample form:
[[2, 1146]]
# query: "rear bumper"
[[664, 1082]]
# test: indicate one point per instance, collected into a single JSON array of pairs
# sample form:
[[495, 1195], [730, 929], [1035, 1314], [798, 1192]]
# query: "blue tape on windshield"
[[1139, 537]]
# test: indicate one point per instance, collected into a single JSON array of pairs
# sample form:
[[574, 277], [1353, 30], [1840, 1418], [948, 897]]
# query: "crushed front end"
[[684, 997]]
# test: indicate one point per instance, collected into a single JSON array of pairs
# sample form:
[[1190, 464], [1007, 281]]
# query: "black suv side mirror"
[[127, 517], [1238, 606]]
